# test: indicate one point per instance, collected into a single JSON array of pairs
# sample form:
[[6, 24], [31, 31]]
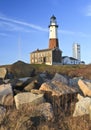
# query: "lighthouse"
[[52, 55], [53, 38]]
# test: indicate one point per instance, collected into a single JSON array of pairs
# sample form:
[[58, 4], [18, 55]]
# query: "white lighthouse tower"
[[76, 51], [53, 38]]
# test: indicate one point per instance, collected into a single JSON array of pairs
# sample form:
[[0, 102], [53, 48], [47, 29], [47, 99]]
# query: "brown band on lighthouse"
[[53, 43]]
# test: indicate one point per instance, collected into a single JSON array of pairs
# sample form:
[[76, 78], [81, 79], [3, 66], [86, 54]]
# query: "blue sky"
[[24, 27]]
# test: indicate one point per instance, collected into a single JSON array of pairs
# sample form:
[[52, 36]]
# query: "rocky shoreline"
[[38, 102]]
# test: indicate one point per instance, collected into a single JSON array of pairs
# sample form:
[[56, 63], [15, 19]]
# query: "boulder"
[[6, 94], [60, 78], [85, 87], [36, 91], [45, 76], [24, 79], [27, 98], [79, 97], [5, 89], [48, 86], [46, 110], [17, 84], [8, 100], [3, 72], [74, 81], [82, 107], [63, 88], [6, 81], [34, 82], [57, 88], [27, 83], [30, 86]]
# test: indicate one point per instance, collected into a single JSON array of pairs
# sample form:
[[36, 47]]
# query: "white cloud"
[[13, 23], [9, 24]]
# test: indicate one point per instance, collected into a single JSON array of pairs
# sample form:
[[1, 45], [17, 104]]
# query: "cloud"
[[72, 33], [9, 24], [88, 10], [15, 24]]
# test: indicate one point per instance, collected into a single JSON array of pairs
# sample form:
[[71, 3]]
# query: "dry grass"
[[28, 118], [21, 69]]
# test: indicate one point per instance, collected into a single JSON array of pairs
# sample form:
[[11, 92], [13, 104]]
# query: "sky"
[[24, 27]]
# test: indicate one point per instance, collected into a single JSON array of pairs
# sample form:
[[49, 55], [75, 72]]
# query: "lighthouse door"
[[44, 60]]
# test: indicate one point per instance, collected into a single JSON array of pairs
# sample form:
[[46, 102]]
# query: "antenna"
[[19, 49]]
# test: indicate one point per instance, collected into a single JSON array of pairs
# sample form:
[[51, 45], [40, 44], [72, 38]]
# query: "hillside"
[[22, 69]]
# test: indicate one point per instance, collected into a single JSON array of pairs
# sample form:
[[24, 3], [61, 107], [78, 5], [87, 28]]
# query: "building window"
[[35, 54], [35, 60], [32, 60]]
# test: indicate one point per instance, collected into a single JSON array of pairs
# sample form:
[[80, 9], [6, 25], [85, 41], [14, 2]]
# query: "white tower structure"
[[53, 38], [76, 51]]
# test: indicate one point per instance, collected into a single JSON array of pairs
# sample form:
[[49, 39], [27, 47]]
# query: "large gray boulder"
[[48, 86], [27, 98], [3, 72], [6, 94], [5, 89], [82, 107], [60, 78], [85, 87], [64, 88], [57, 88]]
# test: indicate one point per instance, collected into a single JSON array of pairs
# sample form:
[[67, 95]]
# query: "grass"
[[21, 69]]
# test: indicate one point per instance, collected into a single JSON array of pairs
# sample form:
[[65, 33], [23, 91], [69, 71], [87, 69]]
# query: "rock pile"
[[46, 96]]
